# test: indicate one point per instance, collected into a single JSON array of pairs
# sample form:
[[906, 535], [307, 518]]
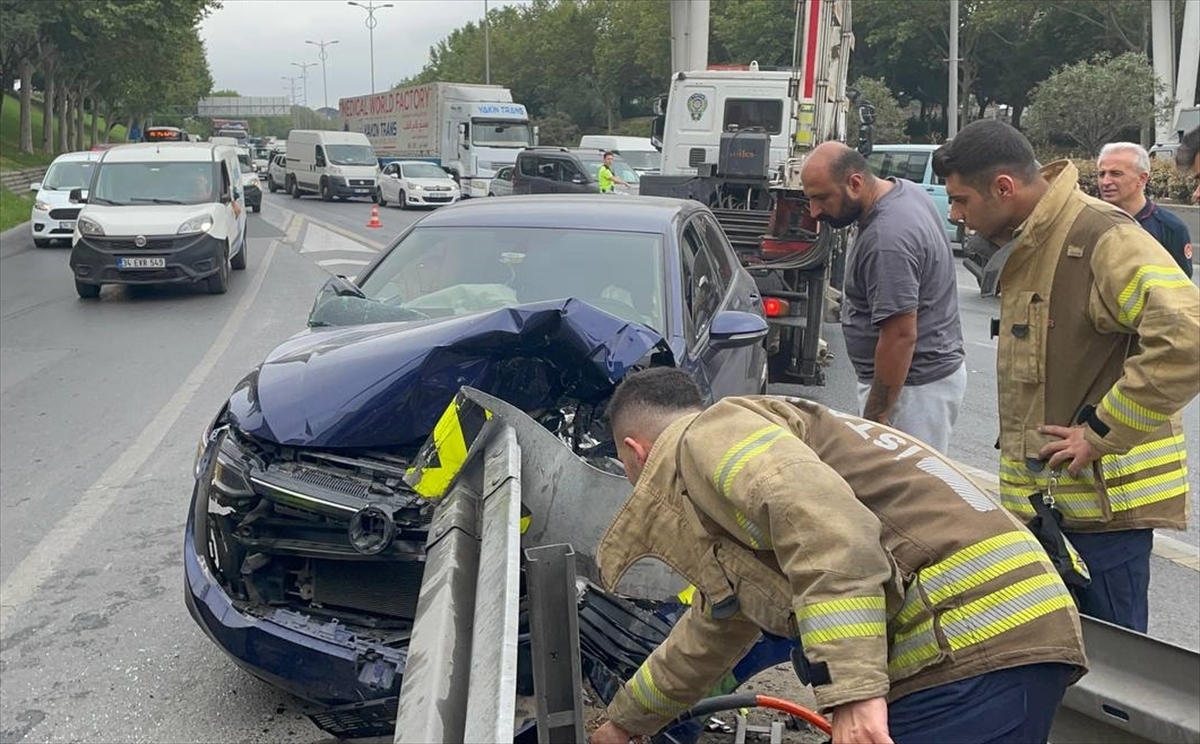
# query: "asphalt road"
[[102, 404]]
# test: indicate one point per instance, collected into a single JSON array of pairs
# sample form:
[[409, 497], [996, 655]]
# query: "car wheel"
[[326, 191], [271, 185], [218, 283], [379, 197], [87, 291], [490, 194], [294, 188], [256, 208], [40, 243], [238, 262], [403, 200]]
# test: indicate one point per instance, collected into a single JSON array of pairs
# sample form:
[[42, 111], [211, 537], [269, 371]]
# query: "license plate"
[[141, 263], [66, 225], [362, 191]]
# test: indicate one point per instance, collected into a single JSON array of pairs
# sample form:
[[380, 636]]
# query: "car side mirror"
[[394, 176], [37, 186], [733, 329], [578, 179], [78, 196]]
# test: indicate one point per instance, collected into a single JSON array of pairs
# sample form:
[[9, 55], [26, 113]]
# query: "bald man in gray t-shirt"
[[900, 299]]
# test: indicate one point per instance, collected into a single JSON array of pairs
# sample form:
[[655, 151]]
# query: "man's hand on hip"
[[1072, 446], [861, 722]]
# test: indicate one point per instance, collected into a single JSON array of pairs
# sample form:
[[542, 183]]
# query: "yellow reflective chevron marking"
[[445, 452], [650, 697], [1130, 413], [1145, 456], [1133, 297], [732, 462], [853, 617]]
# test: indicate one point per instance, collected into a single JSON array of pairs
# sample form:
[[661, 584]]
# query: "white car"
[[53, 216], [416, 183], [277, 172], [501, 183]]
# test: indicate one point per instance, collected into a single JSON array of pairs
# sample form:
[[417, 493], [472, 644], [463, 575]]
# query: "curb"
[[1168, 548]]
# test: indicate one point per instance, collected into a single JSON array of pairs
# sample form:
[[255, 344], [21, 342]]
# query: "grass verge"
[[14, 208], [11, 157]]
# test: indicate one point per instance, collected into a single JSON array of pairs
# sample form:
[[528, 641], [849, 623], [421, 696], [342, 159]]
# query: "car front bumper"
[[321, 661], [343, 187], [188, 258], [430, 198], [57, 224]]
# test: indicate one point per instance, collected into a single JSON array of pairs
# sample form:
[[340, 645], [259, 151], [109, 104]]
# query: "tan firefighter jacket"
[[1097, 324], [896, 572]]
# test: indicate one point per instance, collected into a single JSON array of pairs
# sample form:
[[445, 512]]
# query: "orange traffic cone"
[[374, 217]]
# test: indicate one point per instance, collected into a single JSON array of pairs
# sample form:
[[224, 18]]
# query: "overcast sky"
[[252, 43]]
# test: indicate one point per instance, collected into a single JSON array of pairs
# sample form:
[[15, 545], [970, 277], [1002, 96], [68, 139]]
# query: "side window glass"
[[718, 246], [547, 169], [702, 292], [319, 158], [225, 179], [570, 171], [528, 167]]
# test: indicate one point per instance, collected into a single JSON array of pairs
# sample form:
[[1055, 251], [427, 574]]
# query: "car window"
[[389, 169], [443, 271], [701, 285], [717, 244], [422, 170], [910, 166], [504, 174], [154, 183], [529, 166], [569, 171], [319, 158], [68, 174], [754, 113], [547, 168]]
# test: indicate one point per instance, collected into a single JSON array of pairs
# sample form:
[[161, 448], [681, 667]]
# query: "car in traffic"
[[915, 163], [563, 170], [53, 214], [277, 172], [544, 302], [160, 214], [251, 186], [415, 183], [501, 183]]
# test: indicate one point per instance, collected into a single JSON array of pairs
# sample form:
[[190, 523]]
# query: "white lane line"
[[1168, 548], [336, 261], [372, 244], [26, 580]]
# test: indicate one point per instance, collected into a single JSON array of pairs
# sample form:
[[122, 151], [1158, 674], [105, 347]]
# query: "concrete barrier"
[[18, 181]]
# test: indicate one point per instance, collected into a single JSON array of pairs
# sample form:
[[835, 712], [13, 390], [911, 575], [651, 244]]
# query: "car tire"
[[218, 283], [326, 190], [256, 208], [379, 197], [271, 185], [403, 201], [294, 189], [87, 291], [238, 262], [42, 243]]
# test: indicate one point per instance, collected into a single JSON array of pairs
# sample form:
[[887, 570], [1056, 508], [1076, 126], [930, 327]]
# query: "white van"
[[332, 164], [637, 151], [160, 213], [53, 215]]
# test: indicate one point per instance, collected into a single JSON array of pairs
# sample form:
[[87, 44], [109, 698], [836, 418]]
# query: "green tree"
[[890, 118], [1090, 102]]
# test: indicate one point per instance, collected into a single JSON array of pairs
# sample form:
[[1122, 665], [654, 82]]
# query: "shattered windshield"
[[449, 271]]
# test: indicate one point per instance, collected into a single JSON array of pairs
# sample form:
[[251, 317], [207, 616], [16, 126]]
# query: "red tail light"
[[775, 307]]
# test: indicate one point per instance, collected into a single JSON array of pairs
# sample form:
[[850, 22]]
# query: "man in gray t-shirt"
[[900, 299]]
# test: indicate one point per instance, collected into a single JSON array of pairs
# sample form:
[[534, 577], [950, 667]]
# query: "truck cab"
[[483, 137], [704, 104]]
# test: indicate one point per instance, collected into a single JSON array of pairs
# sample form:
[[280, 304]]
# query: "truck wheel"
[[87, 291], [218, 283], [326, 191], [403, 200], [379, 197]]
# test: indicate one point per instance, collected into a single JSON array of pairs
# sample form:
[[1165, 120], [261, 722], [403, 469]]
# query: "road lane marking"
[[377, 246], [336, 261], [23, 584], [1168, 548]]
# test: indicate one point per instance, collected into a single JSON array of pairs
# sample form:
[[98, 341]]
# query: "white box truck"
[[471, 131]]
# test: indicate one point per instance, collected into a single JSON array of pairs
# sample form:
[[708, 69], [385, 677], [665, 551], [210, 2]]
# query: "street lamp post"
[[487, 47], [371, 7], [323, 55], [291, 97], [304, 76]]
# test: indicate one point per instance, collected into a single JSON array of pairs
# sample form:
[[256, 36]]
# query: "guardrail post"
[[554, 626]]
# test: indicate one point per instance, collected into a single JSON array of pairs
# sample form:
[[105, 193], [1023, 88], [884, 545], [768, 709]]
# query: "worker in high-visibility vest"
[[924, 611], [606, 175]]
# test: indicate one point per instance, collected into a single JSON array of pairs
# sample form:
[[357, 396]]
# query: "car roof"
[[172, 151], [584, 153], [415, 162], [609, 212], [81, 155], [909, 148]]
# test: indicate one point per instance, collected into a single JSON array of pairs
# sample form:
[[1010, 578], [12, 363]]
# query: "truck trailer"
[[471, 131]]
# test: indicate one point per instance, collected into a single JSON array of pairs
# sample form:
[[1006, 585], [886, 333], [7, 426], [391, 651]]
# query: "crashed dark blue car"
[[545, 302]]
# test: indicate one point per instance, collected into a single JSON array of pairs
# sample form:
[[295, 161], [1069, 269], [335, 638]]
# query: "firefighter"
[[924, 612], [1099, 334]]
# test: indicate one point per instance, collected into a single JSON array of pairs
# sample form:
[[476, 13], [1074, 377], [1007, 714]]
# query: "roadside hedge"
[[1166, 181]]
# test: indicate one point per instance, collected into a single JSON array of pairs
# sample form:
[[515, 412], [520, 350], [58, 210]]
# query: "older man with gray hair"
[[1122, 171]]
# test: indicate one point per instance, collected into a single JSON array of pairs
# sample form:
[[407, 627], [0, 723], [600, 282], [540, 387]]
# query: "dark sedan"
[[546, 302]]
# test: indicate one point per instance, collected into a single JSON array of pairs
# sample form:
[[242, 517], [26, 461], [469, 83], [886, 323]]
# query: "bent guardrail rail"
[[460, 681]]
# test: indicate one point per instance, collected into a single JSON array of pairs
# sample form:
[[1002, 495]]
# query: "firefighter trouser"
[[1010, 706], [1119, 563]]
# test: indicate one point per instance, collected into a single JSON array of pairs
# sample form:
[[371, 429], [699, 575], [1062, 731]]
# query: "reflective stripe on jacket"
[[895, 571], [1094, 317]]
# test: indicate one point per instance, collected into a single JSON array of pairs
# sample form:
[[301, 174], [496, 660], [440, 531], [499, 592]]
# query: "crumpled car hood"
[[386, 384]]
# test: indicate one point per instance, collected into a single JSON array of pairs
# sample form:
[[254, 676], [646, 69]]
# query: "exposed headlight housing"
[[200, 224], [88, 227], [41, 206]]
